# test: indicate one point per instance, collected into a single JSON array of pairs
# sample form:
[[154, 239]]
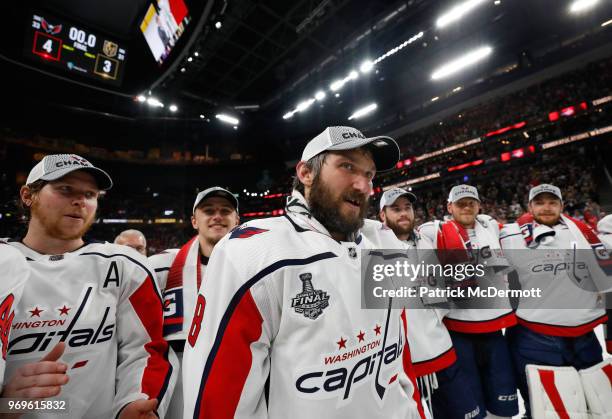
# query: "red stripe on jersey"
[[175, 274], [157, 371], [609, 346], [232, 361], [547, 378], [484, 326], [438, 363], [409, 370], [607, 369], [563, 331], [176, 320]]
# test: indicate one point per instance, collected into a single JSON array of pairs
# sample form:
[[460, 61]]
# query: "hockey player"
[[285, 303], [549, 334], [181, 271], [481, 347], [13, 277], [433, 355], [99, 300]]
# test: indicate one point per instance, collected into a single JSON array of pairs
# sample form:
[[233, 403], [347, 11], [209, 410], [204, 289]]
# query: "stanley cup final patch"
[[310, 302]]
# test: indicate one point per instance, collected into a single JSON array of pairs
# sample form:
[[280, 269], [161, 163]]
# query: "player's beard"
[[52, 227], [325, 208], [400, 229]]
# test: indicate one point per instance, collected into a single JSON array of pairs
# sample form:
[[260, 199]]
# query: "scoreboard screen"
[[74, 48]]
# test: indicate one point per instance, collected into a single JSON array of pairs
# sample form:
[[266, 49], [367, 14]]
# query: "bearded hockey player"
[[550, 334], [13, 276], [441, 380], [285, 303], [100, 300], [476, 332], [181, 271]]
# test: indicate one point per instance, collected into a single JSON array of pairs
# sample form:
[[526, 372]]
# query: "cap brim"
[[385, 151], [220, 194], [103, 179], [548, 192]]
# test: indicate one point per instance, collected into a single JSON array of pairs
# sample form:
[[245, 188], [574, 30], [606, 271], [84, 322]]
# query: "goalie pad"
[[597, 386], [555, 393]]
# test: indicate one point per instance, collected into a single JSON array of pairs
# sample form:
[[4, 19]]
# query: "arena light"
[[396, 49], [141, 98], [606, 23], [336, 85], [151, 101], [173, 108], [366, 66], [227, 119], [461, 63], [320, 95], [457, 12], [302, 106], [363, 111], [433, 99], [580, 6], [201, 116], [288, 115]]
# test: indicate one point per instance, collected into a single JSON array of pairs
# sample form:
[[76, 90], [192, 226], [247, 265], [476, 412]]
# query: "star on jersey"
[[361, 336], [36, 312], [64, 310], [341, 343], [377, 330]]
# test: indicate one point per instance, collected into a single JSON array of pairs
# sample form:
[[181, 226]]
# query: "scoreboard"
[[75, 49]]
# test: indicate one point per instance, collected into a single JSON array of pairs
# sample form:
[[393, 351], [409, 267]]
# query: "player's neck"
[[206, 248], [38, 240], [403, 236]]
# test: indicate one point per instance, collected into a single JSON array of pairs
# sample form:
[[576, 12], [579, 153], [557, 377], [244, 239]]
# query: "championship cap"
[[385, 150], [463, 191], [545, 188], [215, 191], [55, 166], [390, 196]]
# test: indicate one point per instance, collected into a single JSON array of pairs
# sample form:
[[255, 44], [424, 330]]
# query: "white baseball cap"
[[385, 150], [215, 191], [545, 188], [55, 166], [463, 191], [390, 196]]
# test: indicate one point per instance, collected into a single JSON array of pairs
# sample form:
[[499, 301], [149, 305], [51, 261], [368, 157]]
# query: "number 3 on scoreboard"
[[196, 323]]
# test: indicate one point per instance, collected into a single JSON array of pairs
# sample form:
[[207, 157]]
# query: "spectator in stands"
[[134, 239]]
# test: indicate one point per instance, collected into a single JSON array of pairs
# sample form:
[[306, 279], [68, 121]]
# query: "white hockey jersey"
[[483, 240], [102, 301], [549, 318], [179, 273], [13, 276], [282, 301], [431, 347]]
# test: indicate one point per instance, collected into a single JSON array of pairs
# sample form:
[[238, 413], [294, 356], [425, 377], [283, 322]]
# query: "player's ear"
[[26, 195], [382, 216], [194, 223], [448, 207], [304, 174], [237, 220]]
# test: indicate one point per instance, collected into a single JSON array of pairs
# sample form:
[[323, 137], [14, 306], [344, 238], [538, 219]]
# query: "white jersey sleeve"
[[13, 275], [144, 370]]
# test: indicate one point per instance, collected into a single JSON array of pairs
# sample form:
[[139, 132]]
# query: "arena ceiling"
[[268, 57]]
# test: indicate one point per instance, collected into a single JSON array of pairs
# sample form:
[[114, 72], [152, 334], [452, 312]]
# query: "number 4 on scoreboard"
[[47, 46]]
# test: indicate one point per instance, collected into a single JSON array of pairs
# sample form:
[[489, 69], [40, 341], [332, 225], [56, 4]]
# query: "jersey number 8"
[[196, 323]]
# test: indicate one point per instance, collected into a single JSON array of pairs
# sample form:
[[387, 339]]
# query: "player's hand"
[[140, 409], [41, 379]]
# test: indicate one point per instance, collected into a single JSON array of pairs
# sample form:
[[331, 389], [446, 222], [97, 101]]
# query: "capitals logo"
[[367, 362], [49, 28], [44, 339]]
